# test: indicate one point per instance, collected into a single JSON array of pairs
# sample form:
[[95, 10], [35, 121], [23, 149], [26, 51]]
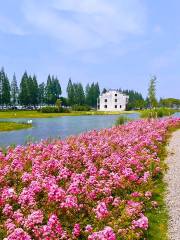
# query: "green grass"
[[158, 219], [36, 114], [156, 113], [121, 120], [10, 126]]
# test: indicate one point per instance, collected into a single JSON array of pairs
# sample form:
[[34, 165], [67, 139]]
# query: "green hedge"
[[81, 108], [54, 110]]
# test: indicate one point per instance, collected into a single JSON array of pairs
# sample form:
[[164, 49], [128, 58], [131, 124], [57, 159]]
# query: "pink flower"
[[70, 202], [141, 223], [106, 234], [88, 228], [19, 234], [76, 230], [148, 194], [18, 216], [136, 194], [101, 210], [33, 219], [116, 201], [8, 210]]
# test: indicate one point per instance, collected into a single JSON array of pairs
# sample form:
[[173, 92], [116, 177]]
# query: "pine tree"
[[92, 94], [52, 90], [5, 96], [70, 93], [96, 94], [88, 95], [136, 99], [41, 93], [14, 91], [48, 90], [34, 93], [56, 89], [2, 76], [79, 94], [24, 96]]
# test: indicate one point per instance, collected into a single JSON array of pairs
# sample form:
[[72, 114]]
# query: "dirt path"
[[173, 180]]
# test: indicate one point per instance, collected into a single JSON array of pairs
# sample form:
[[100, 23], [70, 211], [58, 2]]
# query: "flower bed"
[[98, 185]]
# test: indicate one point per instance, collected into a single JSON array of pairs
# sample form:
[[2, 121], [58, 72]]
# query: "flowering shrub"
[[98, 185]]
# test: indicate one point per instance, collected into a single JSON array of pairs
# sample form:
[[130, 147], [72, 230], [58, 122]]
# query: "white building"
[[112, 100]]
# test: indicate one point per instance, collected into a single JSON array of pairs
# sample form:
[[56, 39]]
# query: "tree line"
[[30, 93]]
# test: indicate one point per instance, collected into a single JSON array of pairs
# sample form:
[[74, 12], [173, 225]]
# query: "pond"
[[60, 127]]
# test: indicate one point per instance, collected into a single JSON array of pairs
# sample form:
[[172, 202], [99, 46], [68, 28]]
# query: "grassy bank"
[[156, 113], [10, 126], [159, 219], [36, 114]]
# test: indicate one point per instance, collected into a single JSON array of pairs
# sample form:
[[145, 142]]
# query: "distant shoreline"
[[36, 114]]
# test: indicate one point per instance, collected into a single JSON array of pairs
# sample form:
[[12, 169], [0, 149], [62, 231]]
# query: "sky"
[[119, 43]]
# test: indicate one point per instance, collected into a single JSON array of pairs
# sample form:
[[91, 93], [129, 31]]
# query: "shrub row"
[[157, 113], [50, 109]]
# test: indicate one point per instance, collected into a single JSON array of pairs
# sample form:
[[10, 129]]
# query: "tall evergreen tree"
[[70, 93], [92, 94], [24, 96], [52, 90], [41, 93], [2, 76], [14, 91], [88, 94], [5, 96], [79, 96], [34, 92], [56, 89], [136, 99], [6, 92], [48, 90], [96, 94]]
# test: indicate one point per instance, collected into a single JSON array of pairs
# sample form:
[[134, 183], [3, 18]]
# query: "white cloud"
[[8, 26], [86, 24]]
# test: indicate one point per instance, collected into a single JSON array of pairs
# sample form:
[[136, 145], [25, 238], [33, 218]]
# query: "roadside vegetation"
[[157, 112], [11, 126]]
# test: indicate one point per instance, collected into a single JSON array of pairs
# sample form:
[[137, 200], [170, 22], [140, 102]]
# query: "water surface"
[[59, 127]]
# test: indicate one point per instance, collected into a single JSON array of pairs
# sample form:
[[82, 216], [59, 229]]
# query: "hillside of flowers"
[[97, 186]]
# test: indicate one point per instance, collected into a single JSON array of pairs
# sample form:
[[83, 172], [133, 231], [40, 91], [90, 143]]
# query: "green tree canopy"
[[14, 91], [152, 92], [5, 96]]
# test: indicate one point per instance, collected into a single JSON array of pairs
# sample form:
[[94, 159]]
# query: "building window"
[[120, 106], [115, 106], [116, 95], [105, 106], [105, 100], [115, 100]]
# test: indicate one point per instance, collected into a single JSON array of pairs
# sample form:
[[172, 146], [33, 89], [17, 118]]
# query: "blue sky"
[[119, 43]]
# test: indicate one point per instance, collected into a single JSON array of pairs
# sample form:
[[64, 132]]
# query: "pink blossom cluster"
[[98, 185]]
